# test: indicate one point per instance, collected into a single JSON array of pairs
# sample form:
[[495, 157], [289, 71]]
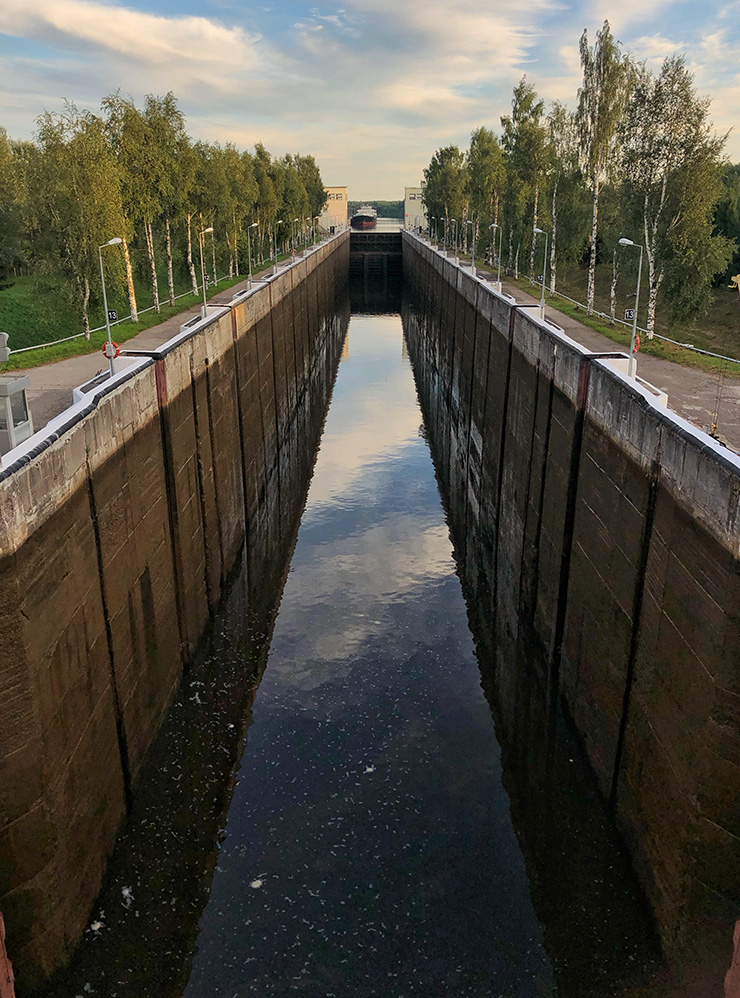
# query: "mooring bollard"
[[6, 970]]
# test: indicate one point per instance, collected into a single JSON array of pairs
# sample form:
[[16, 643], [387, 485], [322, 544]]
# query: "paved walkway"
[[51, 385], [691, 393]]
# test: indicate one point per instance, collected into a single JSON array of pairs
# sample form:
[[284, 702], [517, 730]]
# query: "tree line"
[[636, 159], [134, 173]]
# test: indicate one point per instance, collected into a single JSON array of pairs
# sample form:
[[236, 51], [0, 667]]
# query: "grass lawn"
[[38, 310], [718, 332]]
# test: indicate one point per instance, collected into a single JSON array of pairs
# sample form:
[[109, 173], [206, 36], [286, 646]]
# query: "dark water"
[[371, 840], [369, 848]]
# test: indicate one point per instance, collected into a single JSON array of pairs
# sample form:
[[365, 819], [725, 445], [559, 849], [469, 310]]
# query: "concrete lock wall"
[[600, 531], [121, 521]]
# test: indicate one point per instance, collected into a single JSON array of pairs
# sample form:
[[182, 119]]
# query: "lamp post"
[[278, 222], [116, 241], [544, 273], [631, 369], [472, 265], [495, 225], [202, 268], [249, 252], [292, 238]]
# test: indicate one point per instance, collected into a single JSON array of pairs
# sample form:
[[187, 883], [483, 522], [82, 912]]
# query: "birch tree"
[[524, 143], [601, 101], [79, 198], [167, 131], [565, 180], [444, 185], [673, 177], [486, 182]]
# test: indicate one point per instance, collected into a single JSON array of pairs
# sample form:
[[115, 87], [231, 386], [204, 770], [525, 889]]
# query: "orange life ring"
[[637, 343], [116, 350]]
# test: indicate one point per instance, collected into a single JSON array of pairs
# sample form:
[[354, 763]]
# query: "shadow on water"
[[159, 876], [588, 911]]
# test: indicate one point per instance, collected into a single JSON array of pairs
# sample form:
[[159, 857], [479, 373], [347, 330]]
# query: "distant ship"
[[365, 217]]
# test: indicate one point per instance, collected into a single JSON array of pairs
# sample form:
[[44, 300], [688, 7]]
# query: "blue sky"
[[370, 87]]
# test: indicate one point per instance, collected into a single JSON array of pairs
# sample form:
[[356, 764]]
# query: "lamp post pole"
[[249, 252], [116, 241], [278, 222], [202, 268], [544, 273], [292, 238], [472, 265], [631, 369]]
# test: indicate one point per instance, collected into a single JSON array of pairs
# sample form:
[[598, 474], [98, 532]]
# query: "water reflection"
[[377, 842], [369, 848]]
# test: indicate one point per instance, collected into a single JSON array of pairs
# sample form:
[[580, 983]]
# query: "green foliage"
[[134, 173], [385, 209], [444, 185], [673, 183], [486, 183], [727, 217], [637, 159]]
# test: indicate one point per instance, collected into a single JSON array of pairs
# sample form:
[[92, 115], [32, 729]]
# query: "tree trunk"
[[152, 263], [84, 286], [236, 247], [656, 279], [516, 263], [130, 283], [510, 261], [554, 241], [191, 265], [613, 288], [213, 256], [534, 234], [592, 258], [170, 278]]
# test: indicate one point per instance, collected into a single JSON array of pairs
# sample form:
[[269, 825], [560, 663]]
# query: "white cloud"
[[371, 88]]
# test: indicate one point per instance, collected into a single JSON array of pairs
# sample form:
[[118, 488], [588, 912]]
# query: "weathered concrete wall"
[[602, 531], [121, 522]]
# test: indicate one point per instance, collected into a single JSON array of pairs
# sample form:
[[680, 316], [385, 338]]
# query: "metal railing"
[[127, 318]]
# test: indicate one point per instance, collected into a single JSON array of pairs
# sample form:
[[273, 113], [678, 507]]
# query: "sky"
[[371, 88]]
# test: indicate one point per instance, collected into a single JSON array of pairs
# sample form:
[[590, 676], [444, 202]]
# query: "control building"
[[414, 211], [335, 209]]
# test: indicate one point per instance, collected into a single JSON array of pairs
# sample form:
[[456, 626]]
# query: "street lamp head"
[[541, 232], [254, 225], [626, 242], [115, 241], [209, 229]]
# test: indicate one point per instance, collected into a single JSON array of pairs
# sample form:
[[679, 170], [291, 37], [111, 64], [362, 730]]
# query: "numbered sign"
[[112, 315], [629, 315]]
